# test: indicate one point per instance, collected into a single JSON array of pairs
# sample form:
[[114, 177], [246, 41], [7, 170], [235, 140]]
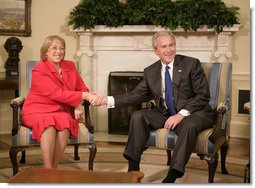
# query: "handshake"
[[95, 98]]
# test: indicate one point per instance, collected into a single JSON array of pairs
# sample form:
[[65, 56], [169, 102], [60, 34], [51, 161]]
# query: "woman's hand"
[[78, 112]]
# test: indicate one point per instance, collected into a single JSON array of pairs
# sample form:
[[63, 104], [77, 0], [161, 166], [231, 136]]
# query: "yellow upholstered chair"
[[22, 136], [211, 140]]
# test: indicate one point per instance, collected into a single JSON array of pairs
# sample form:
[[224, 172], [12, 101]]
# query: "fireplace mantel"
[[128, 48], [151, 29]]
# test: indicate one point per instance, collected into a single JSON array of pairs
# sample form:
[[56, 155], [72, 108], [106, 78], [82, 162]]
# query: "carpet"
[[153, 165]]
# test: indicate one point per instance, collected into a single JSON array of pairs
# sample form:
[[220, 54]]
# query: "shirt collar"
[[171, 64]]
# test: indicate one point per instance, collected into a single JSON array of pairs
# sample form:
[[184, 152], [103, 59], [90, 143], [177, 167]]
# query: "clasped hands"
[[94, 98], [97, 99]]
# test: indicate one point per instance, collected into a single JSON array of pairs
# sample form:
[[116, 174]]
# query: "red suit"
[[51, 96]]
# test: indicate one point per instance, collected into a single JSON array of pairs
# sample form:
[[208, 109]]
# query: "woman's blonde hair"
[[46, 44]]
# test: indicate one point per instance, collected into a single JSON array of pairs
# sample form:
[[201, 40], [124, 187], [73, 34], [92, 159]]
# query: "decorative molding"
[[134, 29], [241, 76], [89, 53]]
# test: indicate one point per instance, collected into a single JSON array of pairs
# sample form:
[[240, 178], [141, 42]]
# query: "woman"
[[56, 88]]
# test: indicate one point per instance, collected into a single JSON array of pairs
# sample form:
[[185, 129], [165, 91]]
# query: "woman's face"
[[55, 52]]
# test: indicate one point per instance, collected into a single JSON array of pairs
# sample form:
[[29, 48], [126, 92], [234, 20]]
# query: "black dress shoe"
[[169, 179], [172, 175]]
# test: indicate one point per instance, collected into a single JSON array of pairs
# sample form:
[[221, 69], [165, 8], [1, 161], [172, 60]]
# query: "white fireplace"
[[128, 48]]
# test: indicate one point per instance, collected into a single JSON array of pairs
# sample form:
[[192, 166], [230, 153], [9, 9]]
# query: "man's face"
[[165, 49]]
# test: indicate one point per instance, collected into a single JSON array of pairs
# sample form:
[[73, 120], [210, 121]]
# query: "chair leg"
[[223, 153], [169, 154], [76, 154], [212, 165], [92, 154], [23, 157], [246, 177], [13, 156]]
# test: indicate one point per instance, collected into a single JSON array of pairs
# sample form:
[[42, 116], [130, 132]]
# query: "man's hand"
[[105, 100], [173, 121]]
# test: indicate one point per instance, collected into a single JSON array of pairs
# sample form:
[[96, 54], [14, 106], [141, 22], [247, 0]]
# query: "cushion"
[[166, 139], [24, 136]]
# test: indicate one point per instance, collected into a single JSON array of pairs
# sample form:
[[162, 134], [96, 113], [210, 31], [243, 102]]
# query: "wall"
[[50, 17], [240, 124]]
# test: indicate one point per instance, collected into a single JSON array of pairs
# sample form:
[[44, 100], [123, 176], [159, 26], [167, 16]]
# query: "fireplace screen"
[[121, 83]]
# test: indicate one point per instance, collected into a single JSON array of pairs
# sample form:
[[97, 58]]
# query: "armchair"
[[22, 136], [211, 140]]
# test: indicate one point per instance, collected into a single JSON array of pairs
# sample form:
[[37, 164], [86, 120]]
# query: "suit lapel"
[[157, 80]]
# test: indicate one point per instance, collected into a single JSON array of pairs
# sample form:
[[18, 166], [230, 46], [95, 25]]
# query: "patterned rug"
[[153, 165]]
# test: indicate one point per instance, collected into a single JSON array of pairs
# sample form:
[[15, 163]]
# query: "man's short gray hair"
[[159, 34]]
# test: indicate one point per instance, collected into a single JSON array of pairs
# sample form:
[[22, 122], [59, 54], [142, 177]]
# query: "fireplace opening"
[[121, 82]]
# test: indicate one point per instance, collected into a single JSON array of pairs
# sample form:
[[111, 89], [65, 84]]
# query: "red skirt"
[[60, 120]]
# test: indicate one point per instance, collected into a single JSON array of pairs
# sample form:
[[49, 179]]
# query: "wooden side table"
[[10, 84], [46, 175], [247, 107]]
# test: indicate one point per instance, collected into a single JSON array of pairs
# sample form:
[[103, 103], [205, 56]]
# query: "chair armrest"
[[219, 130], [150, 104], [17, 102], [88, 122], [16, 105]]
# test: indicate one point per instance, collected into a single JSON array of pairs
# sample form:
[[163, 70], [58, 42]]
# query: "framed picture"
[[15, 17]]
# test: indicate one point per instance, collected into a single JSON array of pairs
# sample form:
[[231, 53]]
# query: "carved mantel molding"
[[100, 29], [222, 42]]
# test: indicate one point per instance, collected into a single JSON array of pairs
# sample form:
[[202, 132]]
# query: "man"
[[183, 107]]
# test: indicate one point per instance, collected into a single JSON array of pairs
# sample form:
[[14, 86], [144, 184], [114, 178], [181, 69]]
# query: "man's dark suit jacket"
[[191, 89]]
